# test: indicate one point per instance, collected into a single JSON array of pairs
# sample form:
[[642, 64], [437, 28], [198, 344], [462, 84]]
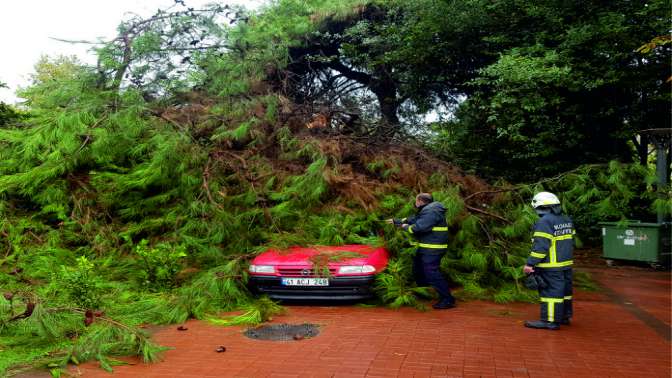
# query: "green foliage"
[[59, 82], [9, 115], [81, 284], [157, 54], [220, 289], [557, 90], [614, 192], [160, 263], [309, 187], [254, 313], [103, 340], [394, 288], [61, 336]]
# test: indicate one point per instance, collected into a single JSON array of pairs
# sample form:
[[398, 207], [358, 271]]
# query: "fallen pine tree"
[[123, 207]]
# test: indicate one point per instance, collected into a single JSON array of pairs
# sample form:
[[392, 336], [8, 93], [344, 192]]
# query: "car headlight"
[[352, 269], [262, 269]]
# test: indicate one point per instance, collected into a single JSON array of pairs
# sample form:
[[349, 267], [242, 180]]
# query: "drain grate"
[[283, 332]]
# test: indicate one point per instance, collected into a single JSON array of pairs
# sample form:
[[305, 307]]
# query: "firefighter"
[[430, 230], [551, 259]]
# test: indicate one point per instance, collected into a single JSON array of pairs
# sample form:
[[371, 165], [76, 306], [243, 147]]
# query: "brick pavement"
[[478, 339], [637, 290]]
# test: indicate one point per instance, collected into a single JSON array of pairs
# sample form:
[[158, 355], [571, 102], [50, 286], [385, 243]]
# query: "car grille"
[[303, 272]]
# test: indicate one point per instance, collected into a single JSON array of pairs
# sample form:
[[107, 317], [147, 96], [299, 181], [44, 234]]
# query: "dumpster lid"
[[631, 224]]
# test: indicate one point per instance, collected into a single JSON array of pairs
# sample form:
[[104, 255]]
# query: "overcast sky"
[[27, 26]]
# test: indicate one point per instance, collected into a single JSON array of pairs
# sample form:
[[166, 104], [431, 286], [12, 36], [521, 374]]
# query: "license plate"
[[305, 281]]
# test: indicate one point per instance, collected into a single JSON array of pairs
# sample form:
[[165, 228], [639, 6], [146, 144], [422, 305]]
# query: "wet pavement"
[[620, 331]]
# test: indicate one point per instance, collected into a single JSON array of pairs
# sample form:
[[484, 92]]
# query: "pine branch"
[[113, 322], [240, 159], [485, 230], [523, 186], [206, 185], [487, 213], [77, 41]]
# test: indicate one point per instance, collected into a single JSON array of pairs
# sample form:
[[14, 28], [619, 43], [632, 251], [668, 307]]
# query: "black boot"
[[444, 304], [541, 324]]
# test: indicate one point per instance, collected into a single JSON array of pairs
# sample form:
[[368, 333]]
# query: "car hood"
[[333, 255]]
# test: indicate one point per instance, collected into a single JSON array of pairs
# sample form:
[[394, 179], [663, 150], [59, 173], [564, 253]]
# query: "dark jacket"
[[429, 228], [552, 242]]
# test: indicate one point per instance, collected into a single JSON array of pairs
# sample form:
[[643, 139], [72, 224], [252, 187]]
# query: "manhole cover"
[[283, 332]]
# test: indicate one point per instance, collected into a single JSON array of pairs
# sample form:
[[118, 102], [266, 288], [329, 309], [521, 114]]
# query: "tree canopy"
[[557, 83]]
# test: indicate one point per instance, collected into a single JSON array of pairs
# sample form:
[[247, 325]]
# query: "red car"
[[344, 272]]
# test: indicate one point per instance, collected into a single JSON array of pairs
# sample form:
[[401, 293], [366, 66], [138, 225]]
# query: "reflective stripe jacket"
[[552, 242], [429, 228]]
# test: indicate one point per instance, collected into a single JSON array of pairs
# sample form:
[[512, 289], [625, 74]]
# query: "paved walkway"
[[645, 290], [623, 331]]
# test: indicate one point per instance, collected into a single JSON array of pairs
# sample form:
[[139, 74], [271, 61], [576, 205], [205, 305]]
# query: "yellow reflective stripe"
[[551, 300], [432, 246], [567, 297], [552, 237], [433, 229], [551, 307], [555, 264], [552, 250], [538, 255], [410, 229], [543, 235], [404, 220]]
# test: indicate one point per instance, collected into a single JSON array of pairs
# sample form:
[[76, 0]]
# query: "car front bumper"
[[340, 288]]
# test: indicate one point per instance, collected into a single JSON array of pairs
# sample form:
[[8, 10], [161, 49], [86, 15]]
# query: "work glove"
[[535, 282]]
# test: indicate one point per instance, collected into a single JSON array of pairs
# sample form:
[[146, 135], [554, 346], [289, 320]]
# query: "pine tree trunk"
[[386, 93], [388, 111]]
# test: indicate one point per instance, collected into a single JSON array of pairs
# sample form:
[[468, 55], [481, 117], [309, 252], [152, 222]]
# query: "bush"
[[160, 264], [82, 285]]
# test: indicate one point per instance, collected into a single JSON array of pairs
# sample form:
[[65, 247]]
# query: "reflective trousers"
[[556, 298], [426, 272]]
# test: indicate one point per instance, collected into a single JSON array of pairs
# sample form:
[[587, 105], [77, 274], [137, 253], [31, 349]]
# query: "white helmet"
[[544, 199]]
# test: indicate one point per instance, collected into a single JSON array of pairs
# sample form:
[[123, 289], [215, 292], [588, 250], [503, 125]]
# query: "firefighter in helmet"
[[551, 259]]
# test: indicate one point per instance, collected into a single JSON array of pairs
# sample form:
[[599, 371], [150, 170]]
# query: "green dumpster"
[[636, 241]]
